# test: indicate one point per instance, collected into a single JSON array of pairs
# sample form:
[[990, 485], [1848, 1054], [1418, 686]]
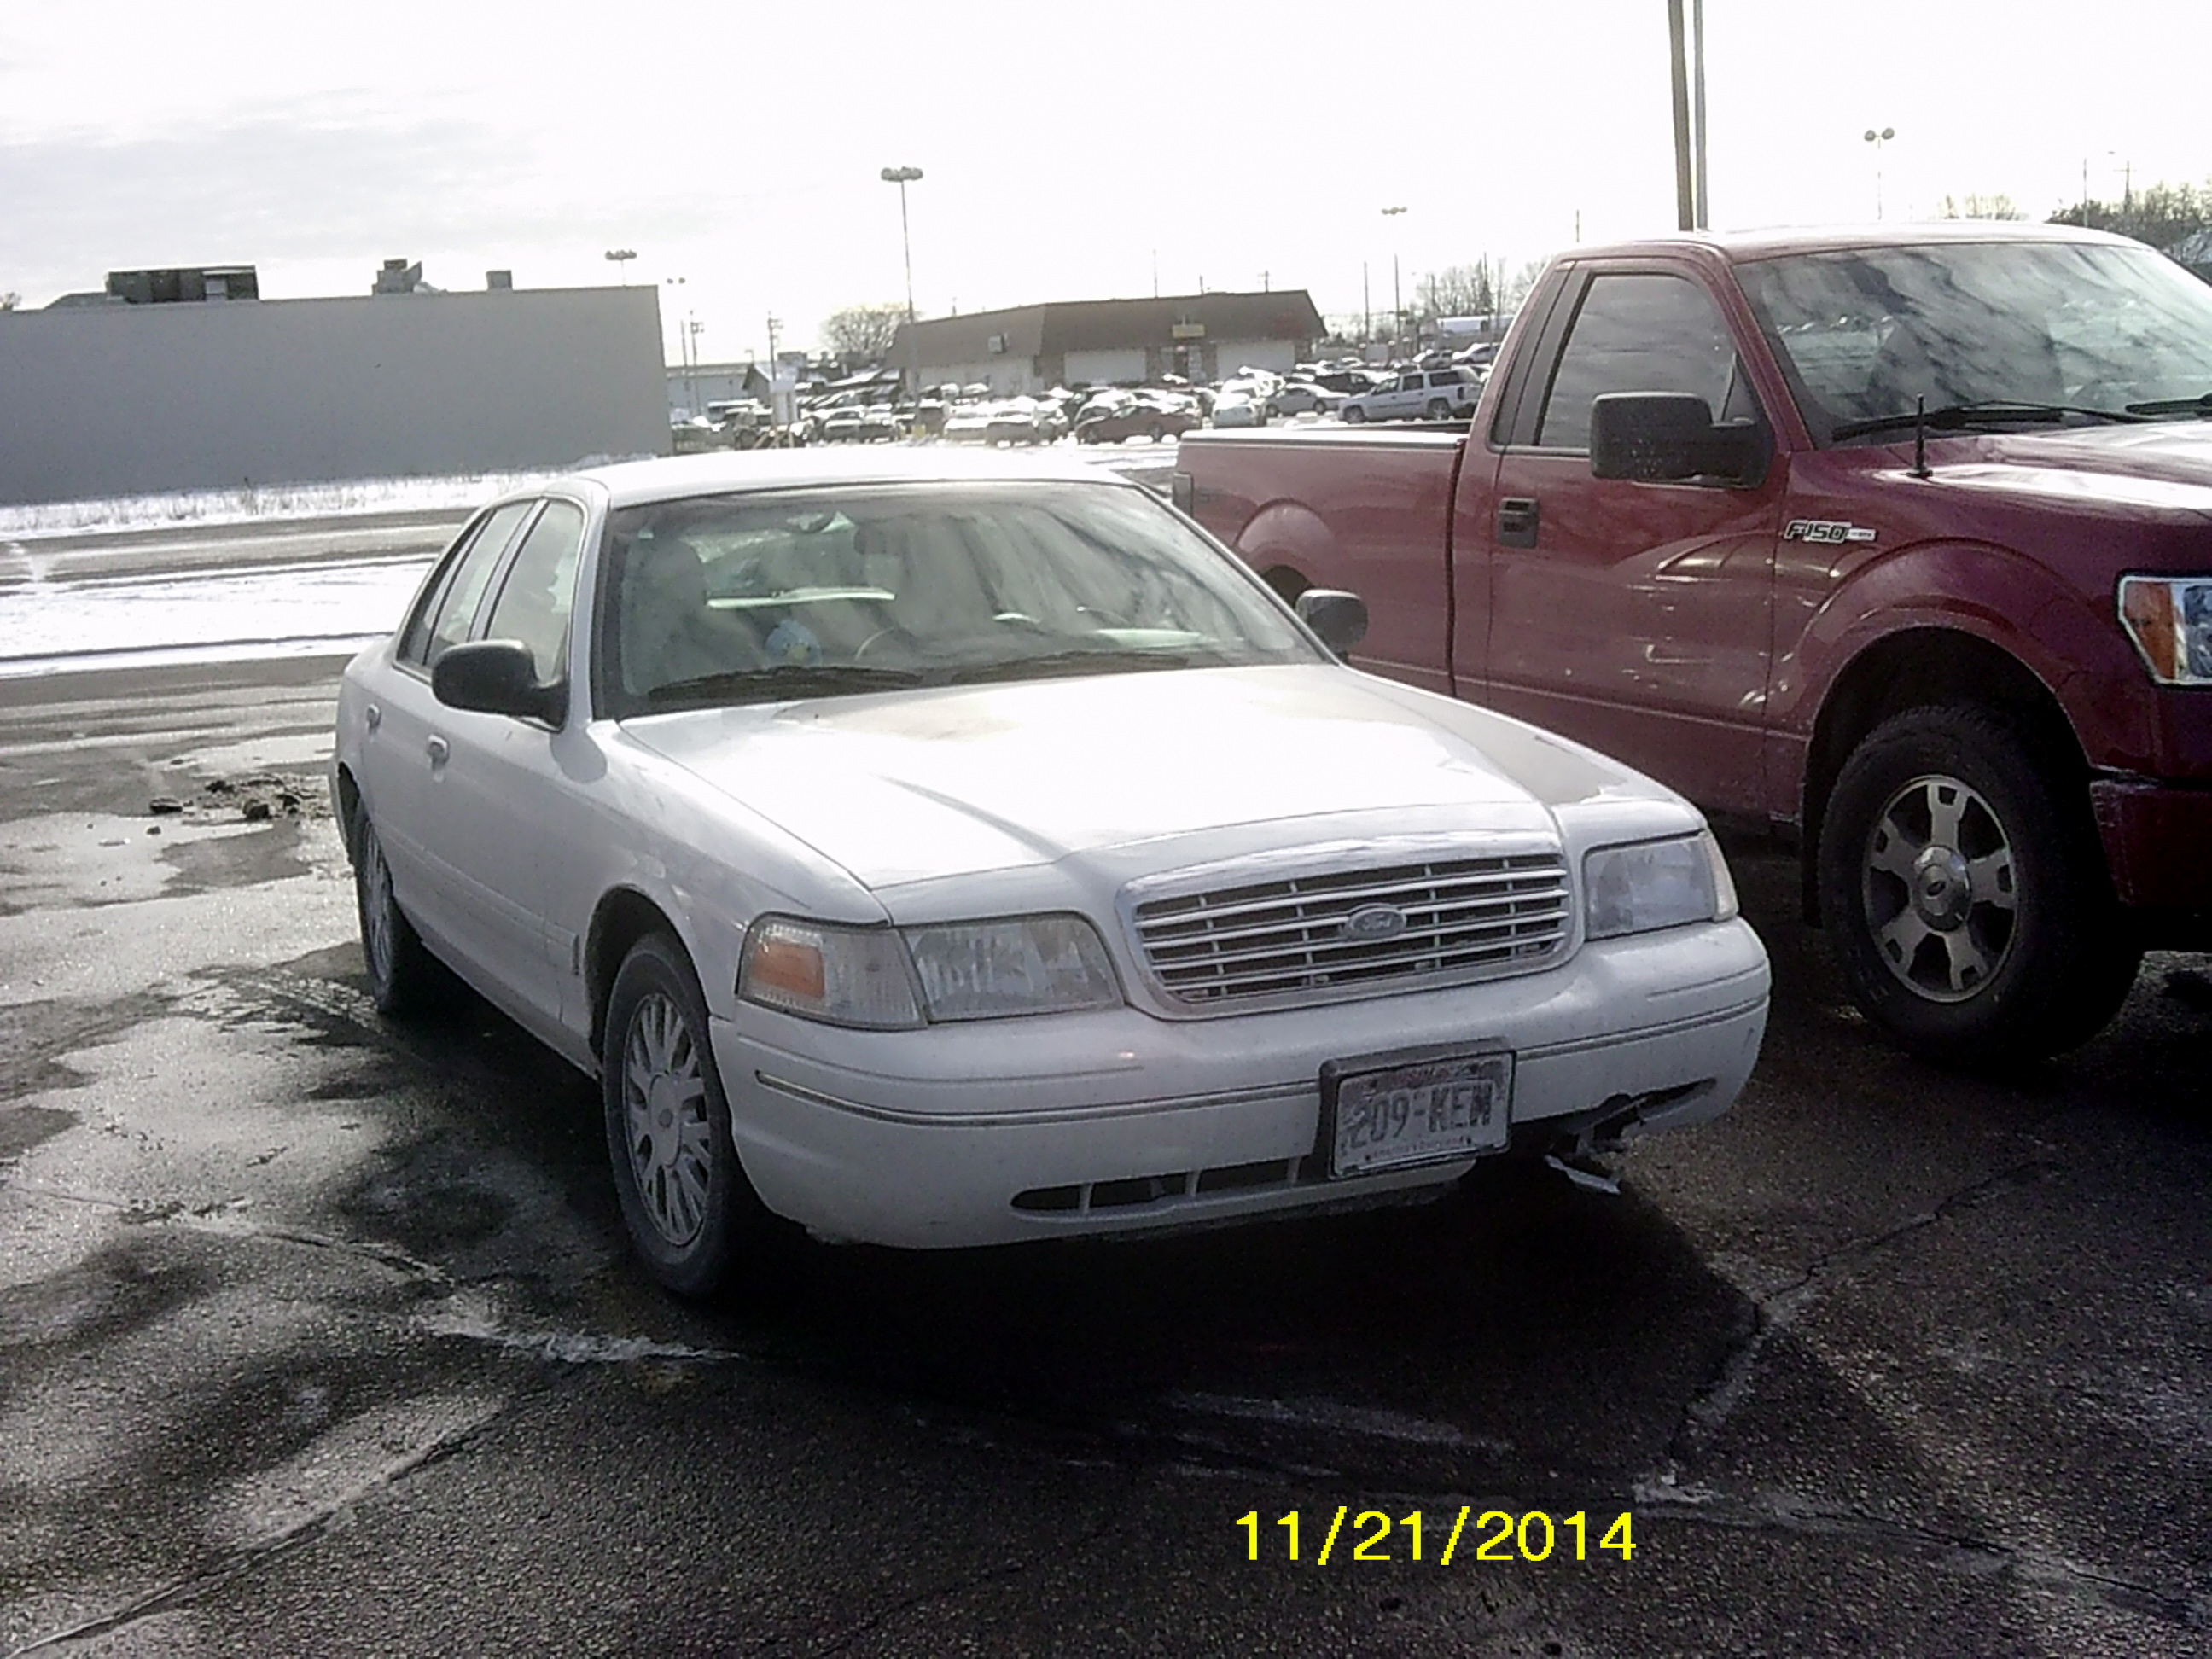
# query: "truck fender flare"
[[1286, 543], [2060, 636]]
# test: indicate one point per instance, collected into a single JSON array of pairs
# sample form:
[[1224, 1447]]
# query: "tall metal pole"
[[1397, 295], [902, 177], [1685, 198], [1697, 109]]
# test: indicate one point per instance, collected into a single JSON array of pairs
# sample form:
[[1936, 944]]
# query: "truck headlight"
[[2169, 620], [1655, 884], [1022, 965], [821, 971]]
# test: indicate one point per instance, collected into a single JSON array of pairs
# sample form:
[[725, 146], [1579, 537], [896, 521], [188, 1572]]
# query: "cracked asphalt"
[[317, 1334]]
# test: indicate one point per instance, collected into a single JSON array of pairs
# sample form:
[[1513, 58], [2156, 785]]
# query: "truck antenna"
[[1920, 437]]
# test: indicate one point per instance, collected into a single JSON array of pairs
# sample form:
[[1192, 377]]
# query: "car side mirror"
[[497, 677], [1671, 437], [1338, 618]]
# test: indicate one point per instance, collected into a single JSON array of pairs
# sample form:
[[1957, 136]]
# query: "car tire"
[[403, 976], [685, 1198], [1155, 432], [1354, 416], [1965, 894], [1439, 409]]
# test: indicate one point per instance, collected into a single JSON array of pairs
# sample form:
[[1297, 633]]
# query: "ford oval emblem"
[[1372, 922]]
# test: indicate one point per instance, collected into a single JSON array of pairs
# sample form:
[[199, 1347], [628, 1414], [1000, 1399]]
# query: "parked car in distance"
[[1135, 417], [1434, 394], [1238, 409], [1303, 398], [939, 849]]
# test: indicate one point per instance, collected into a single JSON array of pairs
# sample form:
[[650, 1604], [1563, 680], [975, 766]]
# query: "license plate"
[[1428, 1111]]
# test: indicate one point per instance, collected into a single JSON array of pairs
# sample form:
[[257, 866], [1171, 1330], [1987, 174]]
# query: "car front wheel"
[[1965, 893], [685, 1199], [1354, 415], [401, 974]]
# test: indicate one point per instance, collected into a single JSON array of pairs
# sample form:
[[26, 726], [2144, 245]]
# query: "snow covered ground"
[[257, 503]]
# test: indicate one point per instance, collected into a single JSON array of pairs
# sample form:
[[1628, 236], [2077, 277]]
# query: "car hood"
[[917, 786]]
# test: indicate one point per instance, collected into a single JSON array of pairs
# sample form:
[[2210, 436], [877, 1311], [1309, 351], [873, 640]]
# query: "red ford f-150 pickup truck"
[[1899, 541]]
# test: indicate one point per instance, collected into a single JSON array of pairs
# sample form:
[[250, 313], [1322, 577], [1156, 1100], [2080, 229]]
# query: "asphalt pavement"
[[317, 1334]]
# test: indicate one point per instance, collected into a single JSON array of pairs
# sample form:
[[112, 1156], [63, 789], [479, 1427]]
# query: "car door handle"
[[373, 716], [437, 750], [1516, 521]]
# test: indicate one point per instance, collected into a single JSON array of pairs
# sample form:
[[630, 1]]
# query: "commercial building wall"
[[125, 399]]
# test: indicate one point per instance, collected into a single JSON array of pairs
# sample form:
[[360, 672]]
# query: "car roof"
[[632, 483], [1744, 246]]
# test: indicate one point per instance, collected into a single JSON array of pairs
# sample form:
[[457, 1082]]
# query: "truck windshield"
[[2080, 330]]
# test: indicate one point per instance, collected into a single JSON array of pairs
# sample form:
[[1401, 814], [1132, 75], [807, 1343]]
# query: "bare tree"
[[1979, 207], [863, 333], [1519, 284], [1455, 291], [2164, 216], [10, 301]]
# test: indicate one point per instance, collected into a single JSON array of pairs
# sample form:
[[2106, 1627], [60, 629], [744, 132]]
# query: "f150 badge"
[[1825, 530]]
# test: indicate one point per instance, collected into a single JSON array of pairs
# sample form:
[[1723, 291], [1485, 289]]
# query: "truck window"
[[1639, 333]]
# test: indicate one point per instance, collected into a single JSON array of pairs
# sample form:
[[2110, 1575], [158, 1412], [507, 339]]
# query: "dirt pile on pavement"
[[256, 797]]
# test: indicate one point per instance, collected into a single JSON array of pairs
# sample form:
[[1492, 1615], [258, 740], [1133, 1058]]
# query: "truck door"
[[1633, 617]]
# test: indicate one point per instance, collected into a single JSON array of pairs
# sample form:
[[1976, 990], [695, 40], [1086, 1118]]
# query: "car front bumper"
[[1116, 1121]]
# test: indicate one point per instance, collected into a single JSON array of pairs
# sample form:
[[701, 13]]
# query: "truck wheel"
[[1965, 894]]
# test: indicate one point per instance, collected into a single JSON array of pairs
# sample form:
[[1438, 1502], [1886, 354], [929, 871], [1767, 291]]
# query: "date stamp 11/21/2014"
[[1495, 1536]]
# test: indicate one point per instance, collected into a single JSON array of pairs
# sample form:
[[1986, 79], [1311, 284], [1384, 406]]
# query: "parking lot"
[[318, 1334]]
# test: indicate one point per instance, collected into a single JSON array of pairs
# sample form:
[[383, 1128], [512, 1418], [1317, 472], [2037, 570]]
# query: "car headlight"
[[881, 980], [1655, 884], [843, 975], [2169, 620], [1023, 965]]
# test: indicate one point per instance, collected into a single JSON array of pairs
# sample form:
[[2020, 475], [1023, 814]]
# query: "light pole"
[[902, 177], [1397, 298], [621, 258], [1878, 139]]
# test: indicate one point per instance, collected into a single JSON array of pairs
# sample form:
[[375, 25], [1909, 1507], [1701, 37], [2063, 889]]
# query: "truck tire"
[[1964, 891]]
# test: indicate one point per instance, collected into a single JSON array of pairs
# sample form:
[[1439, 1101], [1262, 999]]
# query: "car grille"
[[1464, 919]]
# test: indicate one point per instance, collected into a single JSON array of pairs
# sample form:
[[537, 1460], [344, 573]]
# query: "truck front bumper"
[[2156, 836]]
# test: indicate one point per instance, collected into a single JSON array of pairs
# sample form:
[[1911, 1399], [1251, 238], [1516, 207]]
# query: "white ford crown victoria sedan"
[[937, 849]]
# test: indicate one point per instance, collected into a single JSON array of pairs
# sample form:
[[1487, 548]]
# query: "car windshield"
[[764, 598], [2077, 330]]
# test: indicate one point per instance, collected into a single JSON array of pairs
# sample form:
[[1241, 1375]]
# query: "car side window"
[[445, 619], [534, 601], [1640, 333]]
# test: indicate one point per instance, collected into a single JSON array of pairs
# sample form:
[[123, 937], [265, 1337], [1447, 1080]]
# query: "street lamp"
[[902, 177], [1397, 298], [621, 258], [1878, 139]]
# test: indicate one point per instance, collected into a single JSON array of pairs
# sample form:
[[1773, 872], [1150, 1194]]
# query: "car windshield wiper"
[[1958, 417], [1087, 661], [790, 680], [2200, 407]]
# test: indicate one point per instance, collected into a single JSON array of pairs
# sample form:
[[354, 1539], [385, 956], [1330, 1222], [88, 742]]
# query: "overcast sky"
[[1070, 151]]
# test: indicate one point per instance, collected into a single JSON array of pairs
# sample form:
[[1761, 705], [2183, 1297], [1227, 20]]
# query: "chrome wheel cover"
[[663, 1099], [377, 908], [1937, 890]]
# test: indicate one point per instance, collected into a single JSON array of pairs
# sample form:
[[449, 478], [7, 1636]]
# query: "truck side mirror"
[[1338, 618], [1671, 437]]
